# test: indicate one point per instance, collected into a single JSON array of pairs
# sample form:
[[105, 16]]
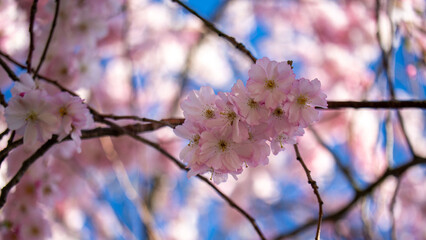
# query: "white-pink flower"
[[191, 153], [270, 81], [228, 119], [200, 105], [304, 96], [251, 111], [218, 151], [31, 116], [25, 84], [73, 116]]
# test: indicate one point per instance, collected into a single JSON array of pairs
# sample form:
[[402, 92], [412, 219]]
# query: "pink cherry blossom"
[[200, 105], [251, 111], [270, 81], [191, 153], [25, 84], [305, 95], [35, 228], [73, 116], [228, 118], [218, 151], [31, 116]]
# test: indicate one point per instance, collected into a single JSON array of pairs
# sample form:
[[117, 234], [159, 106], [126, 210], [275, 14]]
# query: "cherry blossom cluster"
[[36, 114], [239, 128]]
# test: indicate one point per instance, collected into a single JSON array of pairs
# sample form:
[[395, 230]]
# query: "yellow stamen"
[[223, 145], [302, 100], [63, 111], [209, 113], [270, 84], [252, 104], [31, 116]]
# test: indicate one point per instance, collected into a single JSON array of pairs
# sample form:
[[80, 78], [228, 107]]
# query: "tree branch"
[[9, 71], [25, 165], [46, 47], [314, 187], [31, 47], [211, 26]]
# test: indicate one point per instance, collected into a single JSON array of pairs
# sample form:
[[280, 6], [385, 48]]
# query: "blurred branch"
[[392, 207], [24, 167], [211, 26], [9, 71], [3, 100], [46, 47], [183, 76], [314, 187], [346, 172], [367, 229], [31, 47], [387, 56], [130, 192], [358, 196]]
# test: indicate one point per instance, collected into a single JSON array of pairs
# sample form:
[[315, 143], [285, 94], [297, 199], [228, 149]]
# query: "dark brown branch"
[[31, 47], [46, 47], [392, 104], [3, 100], [211, 26], [25, 165], [314, 187], [10, 147], [359, 195], [4, 133], [9, 71]]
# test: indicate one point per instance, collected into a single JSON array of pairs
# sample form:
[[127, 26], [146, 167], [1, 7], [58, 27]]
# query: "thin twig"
[[130, 191], [31, 47], [183, 76], [367, 228], [346, 172], [46, 47], [211, 26], [9, 71], [392, 207], [358, 196], [387, 57], [314, 187]]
